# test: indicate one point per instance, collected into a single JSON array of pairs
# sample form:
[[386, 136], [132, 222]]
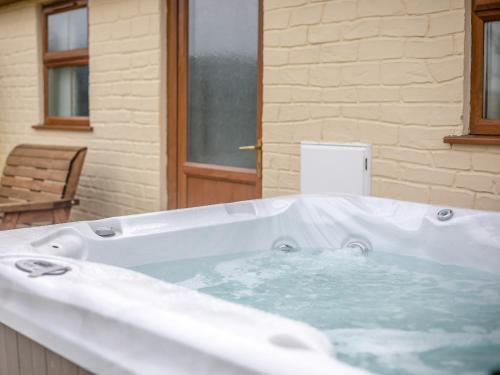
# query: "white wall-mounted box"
[[335, 168]]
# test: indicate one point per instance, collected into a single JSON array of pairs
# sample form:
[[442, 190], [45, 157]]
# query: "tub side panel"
[[9, 360], [20, 355]]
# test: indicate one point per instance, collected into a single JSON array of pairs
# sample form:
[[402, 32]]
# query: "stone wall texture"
[[385, 72], [122, 171]]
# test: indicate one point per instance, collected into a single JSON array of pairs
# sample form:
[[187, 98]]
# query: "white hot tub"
[[323, 284]]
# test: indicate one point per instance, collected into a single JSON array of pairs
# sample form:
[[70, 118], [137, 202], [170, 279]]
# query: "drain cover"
[[445, 214], [105, 232], [38, 267]]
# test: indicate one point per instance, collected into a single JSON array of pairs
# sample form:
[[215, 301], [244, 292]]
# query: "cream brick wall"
[[122, 172], [385, 72]]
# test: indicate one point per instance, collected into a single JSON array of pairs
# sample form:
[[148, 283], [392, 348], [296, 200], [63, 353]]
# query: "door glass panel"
[[68, 91], [222, 81], [491, 95], [67, 30]]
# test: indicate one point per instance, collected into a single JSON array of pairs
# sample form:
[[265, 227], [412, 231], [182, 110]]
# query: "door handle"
[[258, 148], [251, 147]]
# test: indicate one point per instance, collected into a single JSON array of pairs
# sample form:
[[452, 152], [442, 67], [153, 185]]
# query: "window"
[[485, 72], [65, 65]]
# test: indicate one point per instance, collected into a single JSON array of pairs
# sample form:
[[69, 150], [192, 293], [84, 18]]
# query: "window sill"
[[74, 128], [485, 140]]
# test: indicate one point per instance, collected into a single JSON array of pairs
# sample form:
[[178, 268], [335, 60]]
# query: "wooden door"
[[214, 101]]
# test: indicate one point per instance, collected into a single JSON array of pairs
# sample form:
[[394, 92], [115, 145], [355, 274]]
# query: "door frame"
[[175, 112]]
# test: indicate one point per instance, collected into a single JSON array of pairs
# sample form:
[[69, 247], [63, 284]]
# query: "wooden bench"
[[38, 184]]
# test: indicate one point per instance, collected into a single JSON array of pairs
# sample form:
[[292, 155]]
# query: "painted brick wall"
[[385, 72], [122, 171]]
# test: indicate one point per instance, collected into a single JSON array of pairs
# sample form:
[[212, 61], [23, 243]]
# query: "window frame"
[[58, 59], [482, 11]]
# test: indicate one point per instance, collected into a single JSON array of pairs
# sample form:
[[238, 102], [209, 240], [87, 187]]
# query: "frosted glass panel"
[[491, 70], [222, 81], [68, 91], [67, 30]]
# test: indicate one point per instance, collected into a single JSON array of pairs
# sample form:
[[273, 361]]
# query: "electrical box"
[[335, 168]]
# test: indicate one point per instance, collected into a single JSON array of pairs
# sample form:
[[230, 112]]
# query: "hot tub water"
[[387, 313]]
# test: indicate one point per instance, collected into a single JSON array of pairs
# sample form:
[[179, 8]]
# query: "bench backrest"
[[41, 172]]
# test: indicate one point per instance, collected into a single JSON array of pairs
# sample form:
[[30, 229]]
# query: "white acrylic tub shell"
[[112, 320]]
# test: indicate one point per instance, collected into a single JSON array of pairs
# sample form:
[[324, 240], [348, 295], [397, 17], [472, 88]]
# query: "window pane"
[[68, 91], [67, 30], [222, 81], [491, 105]]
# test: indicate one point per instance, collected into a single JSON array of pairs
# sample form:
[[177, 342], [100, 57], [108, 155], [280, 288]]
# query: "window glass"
[[222, 81], [68, 91], [491, 97], [67, 30]]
